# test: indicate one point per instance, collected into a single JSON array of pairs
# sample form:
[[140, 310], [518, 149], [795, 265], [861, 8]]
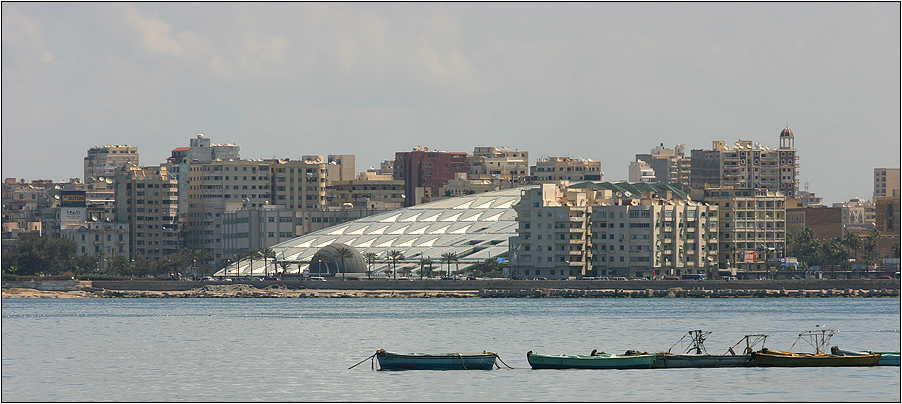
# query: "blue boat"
[[890, 358], [443, 361]]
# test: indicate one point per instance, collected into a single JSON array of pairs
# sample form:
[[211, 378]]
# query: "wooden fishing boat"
[[593, 361], [696, 356], [442, 361], [768, 357], [817, 339], [887, 358]]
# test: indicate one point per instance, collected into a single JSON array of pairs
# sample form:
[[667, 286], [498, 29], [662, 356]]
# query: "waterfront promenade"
[[499, 288]]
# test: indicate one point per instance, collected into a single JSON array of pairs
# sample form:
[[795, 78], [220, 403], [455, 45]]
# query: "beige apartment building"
[[462, 185], [752, 225], [369, 191], [553, 233], [748, 165], [299, 184], [489, 162], [102, 162], [666, 165], [858, 215], [339, 167], [640, 171], [147, 201], [885, 181], [566, 169], [613, 229], [218, 187]]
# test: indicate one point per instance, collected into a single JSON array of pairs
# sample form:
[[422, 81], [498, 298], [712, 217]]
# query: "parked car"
[[884, 277], [317, 279]]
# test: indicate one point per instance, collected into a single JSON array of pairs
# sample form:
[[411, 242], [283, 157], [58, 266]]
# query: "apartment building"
[[424, 172], [553, 233], [752, 224], [253, 228], [667, 165], [105, 239], [886, 180], [23, 204], [462, 185], [566, 169], [200, 150], [858, 215], [218, 187], [299, 184], [147, 201], [369, 191], [103, 161], [613, 229], [489, 162], [887, 214], [36, 206], [640, 171], [339, 167], [748, 165]]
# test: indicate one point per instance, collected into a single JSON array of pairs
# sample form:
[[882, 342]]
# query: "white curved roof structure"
[[475, 227]]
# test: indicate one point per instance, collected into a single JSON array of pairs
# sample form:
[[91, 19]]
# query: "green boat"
[[630, 360]]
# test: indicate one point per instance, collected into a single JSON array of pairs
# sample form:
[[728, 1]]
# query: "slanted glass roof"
[[475, 227]]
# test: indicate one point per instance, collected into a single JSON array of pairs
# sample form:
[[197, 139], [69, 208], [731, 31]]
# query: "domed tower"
[[789, 167], [787, 140]]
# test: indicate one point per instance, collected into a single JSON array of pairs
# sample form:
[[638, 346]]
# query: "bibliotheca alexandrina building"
[[473, 228]]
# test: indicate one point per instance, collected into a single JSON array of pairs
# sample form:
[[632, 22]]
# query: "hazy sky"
[[598, 80]]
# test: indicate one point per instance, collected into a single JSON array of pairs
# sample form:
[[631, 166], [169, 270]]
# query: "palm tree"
[[284, 266], [251, 255], [852, 241], [267, 253], [395, 255], [870, 243], [371, 257], [342, 253], [238, 258], [449, 258], [424, 262], [733, 251]]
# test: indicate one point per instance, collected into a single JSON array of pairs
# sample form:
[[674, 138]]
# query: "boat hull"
[[604, 361], [448, 361], [701, 361], [886, 358], [786, 359]]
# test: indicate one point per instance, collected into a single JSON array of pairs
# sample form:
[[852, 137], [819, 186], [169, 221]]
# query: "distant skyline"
[[603, 81]]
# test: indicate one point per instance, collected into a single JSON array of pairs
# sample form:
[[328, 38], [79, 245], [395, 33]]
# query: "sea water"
[[301, 349]]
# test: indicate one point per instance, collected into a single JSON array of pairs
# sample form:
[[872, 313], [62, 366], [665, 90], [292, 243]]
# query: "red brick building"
[[425, 172]]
